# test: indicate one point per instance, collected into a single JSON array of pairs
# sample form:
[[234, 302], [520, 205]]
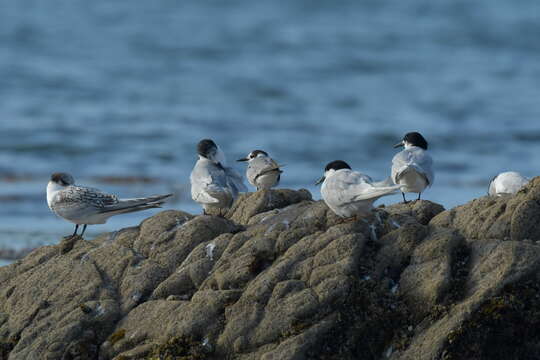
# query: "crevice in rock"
[[460, 268], [503, 327], [7, 345]]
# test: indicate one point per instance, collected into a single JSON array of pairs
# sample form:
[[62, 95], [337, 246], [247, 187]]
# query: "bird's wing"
[[260, 166], [85, 195], [235, 181], [128, 205], [207, 184], [413, 158], [350, 186]]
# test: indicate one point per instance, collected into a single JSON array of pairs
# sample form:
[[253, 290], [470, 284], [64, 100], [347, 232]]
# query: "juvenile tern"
[[263, 172], [213, 184], [507, 183], [412, 167], [348, 193], [88, 206]]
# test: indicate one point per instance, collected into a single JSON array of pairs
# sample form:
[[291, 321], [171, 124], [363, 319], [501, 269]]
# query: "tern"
[[263, 172], [88, 206], [412, 167], [213, 184], [349, 193]]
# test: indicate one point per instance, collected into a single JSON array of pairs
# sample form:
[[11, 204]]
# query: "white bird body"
[[413, 168], [348, 193], [263, 172], [213, 184], [509, 182]]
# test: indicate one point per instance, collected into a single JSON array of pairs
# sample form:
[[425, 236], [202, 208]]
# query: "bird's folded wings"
[[87, 196], [418, 161], [267, 166], [235, 180], [205, 190], [348, 186], [352, 186]]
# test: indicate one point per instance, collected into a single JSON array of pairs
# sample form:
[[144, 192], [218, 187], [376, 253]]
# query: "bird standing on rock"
[[213, 184], [412, 167], [348, 193], [88, 206], [262, 171]]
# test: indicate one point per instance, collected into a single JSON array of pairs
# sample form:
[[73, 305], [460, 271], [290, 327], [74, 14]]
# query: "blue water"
[[119, 92]]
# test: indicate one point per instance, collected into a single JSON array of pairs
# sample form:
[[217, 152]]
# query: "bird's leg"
[[76, 228], [404, 200], [223, 212], [83, 229]]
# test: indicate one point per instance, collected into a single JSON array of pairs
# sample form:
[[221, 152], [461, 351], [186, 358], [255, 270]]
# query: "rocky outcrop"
[[282, 277], [490, 217]]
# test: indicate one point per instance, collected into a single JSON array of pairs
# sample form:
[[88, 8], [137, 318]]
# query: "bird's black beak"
[[243, 159], [320, 180], [399, 144]]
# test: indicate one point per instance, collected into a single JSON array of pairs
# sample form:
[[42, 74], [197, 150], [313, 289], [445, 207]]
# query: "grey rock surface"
[[282, 277]]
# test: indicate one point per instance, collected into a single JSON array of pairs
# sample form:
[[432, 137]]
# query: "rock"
[[282, 277], [490, 217], [251, 204], [429, 275], [503, 276], [422, 210], [68, 242]]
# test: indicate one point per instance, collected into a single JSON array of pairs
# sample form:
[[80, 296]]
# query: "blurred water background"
[[119, 92]]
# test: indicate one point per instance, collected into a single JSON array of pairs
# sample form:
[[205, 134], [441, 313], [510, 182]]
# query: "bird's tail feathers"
[[134, 209], [131, 205], [378, 192]]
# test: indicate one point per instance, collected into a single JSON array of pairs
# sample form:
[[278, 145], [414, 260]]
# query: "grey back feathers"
[[263, 172], [213, 184], [348, 193]]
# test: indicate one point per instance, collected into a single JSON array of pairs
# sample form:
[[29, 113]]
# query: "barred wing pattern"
[[84, 195]]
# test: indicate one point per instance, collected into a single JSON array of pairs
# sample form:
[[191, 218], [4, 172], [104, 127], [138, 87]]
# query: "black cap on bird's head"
[[413, 139], [63, 179], [253, 155], [333, 165], [336, 165], [206, 148]]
